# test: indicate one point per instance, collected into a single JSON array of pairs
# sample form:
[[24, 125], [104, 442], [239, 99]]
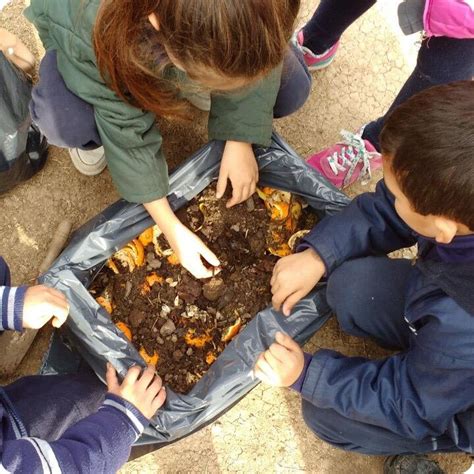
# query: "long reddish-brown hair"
[[236, 41]]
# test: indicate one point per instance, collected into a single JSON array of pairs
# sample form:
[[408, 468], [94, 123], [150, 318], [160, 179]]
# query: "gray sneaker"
[[411, 464], [88, 162]]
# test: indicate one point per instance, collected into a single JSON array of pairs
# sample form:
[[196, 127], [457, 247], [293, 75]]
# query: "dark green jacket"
[[131, 139]]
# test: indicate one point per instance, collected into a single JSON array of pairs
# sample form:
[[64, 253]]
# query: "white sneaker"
[[88, 162]]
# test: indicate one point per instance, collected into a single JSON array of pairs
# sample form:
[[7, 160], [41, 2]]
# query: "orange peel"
[[282, 250], [210, 358], [121, 326], [111, 264], [105, 300], [196, 340], [149, 359], [132, 255], [146, 237], [153, 278], [173, 259], [232, 331]]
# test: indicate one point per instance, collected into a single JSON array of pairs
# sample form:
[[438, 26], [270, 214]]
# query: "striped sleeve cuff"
[[135, 416], [11, 304]]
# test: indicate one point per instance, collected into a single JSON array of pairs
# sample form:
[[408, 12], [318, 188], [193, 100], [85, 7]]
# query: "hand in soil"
[[294, 277], [240, 167], [145, 392], [41, 305], [189, 249], [281, 365]]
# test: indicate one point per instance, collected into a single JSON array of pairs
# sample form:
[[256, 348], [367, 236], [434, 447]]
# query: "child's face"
[[423, 225]]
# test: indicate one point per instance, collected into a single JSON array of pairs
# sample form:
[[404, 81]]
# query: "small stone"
[[214, 289], [250, 204], [136, 317], [168, 328], [190, 352], [150, 256], [177, 355], [174, 338], [155, 330], [168, 377], [235, 227], [159, 340], [155, 264]]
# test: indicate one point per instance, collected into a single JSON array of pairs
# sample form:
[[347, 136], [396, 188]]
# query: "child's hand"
[[294, 277], [240, 167], [42, 304], [146, 393], [189, 249], [282, 364]]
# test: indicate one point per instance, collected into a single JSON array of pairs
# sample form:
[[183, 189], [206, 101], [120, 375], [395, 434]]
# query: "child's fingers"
[[154, 388], [272, 361], [158, 401], [287, 341], [111, 378], [58, 294], [147, 376], [198, 269], [279, 297], [261, 376], [132, 375], [236, 196], [221, 183], [279, 352], [210, 256], [264, 366], [60, 311], [290, 302]]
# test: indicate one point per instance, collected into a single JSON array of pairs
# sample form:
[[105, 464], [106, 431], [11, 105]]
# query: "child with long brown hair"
[[112, 66]]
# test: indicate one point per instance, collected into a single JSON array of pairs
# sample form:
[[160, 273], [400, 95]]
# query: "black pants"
[[440, 59]]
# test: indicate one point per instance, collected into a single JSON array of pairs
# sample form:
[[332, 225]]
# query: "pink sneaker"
[[343, 163], [314, 61]]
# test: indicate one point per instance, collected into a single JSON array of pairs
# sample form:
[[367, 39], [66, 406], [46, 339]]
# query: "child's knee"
[[4, 273]]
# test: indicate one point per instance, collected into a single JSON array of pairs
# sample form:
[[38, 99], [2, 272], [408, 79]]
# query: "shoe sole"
[[87, 170], [321, 65]]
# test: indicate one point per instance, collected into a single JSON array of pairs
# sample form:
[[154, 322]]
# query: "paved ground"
[[265, 432]]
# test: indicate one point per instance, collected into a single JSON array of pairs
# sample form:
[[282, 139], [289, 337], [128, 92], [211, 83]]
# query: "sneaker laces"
[[349, 156]]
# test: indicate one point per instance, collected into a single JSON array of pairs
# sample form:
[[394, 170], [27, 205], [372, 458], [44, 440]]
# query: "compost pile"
[[182, 324]]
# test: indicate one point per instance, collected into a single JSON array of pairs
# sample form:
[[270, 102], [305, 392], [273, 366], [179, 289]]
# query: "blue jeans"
[[68, 121], [368, 297], [440, 59]]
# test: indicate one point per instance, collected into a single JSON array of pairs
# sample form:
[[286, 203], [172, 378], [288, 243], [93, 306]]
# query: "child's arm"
[[422, 392], [99, 443], [369, 225], [31, 308], [242, 119]]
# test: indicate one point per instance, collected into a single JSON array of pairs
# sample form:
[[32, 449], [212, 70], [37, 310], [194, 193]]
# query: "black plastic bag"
[[23, 150], [230, 377]]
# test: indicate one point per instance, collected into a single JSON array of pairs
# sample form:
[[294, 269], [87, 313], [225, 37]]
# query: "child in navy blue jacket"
[[68, 423], [420, 399]]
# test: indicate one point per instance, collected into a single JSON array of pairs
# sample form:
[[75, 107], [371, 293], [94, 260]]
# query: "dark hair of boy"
[[431, 152]]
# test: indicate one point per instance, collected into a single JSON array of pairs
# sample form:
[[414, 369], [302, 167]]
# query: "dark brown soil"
[[188, 322]]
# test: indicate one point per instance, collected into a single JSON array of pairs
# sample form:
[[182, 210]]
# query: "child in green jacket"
[[112, 67]]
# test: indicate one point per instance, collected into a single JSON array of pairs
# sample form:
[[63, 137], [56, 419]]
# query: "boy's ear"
[[153, 19], [446, 229]]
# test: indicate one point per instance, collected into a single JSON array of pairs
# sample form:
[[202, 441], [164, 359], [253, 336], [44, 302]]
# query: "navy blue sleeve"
[[416, 393], [368, 226], [99, 443], [11, 307]]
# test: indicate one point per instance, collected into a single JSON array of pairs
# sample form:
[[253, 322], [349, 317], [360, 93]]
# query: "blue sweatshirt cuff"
[[134, 415], [298, 385], [12, 301]]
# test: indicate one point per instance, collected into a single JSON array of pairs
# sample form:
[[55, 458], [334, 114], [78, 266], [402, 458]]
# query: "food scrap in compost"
[[182, 324]]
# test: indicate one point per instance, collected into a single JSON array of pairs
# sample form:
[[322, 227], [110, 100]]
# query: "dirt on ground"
[[265, 431]]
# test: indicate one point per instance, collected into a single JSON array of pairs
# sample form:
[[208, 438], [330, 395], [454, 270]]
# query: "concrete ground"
[[264, 432]]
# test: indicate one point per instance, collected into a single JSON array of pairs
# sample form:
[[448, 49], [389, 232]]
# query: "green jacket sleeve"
[[131, 140], [246, 116]]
